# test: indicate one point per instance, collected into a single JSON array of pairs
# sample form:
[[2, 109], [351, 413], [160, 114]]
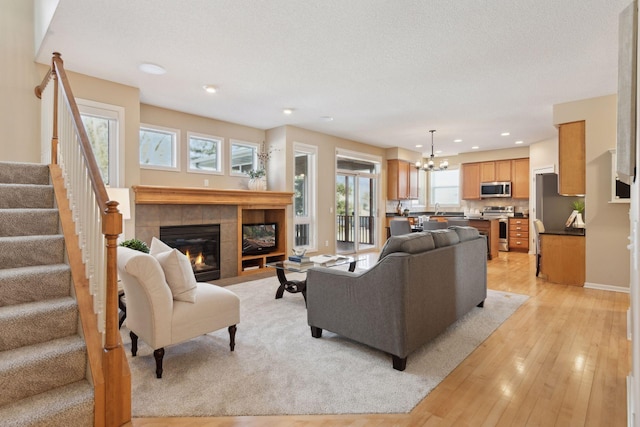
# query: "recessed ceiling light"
[[326, 118], [210, 88], [457, 140], [505, 134], [288, 111], [419, 146], [150, 68], [519, 142], [475, 147], [438, 151]]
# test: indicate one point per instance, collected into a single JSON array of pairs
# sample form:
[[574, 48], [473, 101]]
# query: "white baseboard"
[[602, 287]]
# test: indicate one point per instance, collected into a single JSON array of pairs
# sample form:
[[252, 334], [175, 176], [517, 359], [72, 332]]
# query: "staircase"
[[43, 359]]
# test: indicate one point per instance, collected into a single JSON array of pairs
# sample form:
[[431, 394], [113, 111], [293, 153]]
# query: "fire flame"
[[198, 261]]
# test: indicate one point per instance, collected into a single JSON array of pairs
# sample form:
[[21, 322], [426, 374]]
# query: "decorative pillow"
[[177, 271], [445, 237], [158, 246]]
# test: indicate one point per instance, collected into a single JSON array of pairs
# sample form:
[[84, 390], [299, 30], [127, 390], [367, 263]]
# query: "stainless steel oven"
[[502, 214]]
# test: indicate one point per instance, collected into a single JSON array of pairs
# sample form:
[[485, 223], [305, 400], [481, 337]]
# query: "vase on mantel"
[[258, 184]]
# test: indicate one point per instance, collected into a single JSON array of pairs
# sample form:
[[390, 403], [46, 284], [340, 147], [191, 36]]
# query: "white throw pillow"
[[177, 271], [158, 246]]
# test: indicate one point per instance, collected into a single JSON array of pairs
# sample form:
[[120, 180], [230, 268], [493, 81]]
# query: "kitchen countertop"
[[578, 232]]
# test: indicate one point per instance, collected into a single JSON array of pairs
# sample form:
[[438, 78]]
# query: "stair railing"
[[98, 223]]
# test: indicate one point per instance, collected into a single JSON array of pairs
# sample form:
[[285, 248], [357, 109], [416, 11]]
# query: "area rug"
[[277, 368]]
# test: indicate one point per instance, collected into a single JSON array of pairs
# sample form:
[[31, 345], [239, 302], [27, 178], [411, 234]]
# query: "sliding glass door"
[[356, 207]]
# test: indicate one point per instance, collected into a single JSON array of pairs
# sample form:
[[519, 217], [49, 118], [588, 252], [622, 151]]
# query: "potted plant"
[[578, 208], [136, 244], [258, 177]]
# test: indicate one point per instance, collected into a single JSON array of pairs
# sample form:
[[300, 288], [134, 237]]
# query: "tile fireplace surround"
[[157, 206]]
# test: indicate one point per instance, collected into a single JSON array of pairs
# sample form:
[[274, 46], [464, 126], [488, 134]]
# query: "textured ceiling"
[[386, 71]]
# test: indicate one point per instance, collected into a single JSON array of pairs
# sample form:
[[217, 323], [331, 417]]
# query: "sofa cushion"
[[410, 243], [465, 232], [177, 270], [445, 237]]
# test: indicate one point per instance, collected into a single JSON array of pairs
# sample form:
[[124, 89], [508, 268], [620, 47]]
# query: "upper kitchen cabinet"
[[499, 170], [471, 181], [520, 178], [402, 180], [571, 159]]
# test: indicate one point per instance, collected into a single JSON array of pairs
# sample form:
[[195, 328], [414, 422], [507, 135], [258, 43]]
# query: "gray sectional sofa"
[[422, 283]]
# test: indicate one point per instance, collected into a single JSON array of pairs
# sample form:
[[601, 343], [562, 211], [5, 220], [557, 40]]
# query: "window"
[[205, 153], [304, 198], [444, 187], [103, 124], [244, 157], [159, 148]]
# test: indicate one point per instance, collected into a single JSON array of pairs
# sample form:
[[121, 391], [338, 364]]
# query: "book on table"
[[299, 259], [290, 263], [327, 259]]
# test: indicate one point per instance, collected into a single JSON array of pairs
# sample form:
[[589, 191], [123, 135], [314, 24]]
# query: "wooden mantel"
[[160, 195]]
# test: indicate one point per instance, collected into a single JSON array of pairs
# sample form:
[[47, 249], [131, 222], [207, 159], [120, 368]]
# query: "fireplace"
[[200, 243]]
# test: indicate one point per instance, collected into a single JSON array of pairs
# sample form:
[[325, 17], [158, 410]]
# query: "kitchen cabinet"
[[519, 234], [571, 159], [499, 170], [471, 181], [402, 180], [520, 178]]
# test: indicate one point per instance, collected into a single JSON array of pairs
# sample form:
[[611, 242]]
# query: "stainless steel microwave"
[[495, 189]]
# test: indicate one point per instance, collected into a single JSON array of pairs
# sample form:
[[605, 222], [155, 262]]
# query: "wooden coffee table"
[[300, 286]]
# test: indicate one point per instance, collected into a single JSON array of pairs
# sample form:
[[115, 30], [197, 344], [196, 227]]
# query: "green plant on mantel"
[[578, 205], [256, 173], [136, 244]]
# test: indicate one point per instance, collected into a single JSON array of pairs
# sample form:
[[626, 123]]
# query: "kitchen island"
[[491, 229]]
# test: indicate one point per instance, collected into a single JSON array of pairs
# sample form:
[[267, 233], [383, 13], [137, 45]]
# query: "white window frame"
[[116, 146], [312, 195], [442, 205], [175, 147], [256, 150], [219, 141]]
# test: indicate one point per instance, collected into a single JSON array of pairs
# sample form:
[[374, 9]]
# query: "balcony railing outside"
[[346, 230]]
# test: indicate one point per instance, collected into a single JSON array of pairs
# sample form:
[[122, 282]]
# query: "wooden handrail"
[[113, 395]]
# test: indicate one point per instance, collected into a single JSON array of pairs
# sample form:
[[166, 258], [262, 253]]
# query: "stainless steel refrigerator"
[[552, 208]]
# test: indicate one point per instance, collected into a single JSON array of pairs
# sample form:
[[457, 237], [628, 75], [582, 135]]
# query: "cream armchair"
[[160, 320]]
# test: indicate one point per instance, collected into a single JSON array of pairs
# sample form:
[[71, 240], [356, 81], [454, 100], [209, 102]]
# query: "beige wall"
[[327, 146], [607, 224], [184, 122], [19, 107]]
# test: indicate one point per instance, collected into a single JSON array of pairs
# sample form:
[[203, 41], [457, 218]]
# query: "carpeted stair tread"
[[23, 251], [27, 371], [34, 283], [24, 173], [36, 322], [26, 196], [29, 222], [69, 406]]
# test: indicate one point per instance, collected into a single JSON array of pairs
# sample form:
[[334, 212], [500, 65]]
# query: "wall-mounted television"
[[259, 238]]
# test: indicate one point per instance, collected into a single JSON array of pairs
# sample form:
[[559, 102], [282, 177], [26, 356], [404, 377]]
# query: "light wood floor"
[[560, 360]]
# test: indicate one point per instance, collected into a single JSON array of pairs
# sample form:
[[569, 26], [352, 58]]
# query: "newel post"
[[113, 356], [54, 133]]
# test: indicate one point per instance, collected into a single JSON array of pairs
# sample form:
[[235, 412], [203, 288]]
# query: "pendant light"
[[430, 165]]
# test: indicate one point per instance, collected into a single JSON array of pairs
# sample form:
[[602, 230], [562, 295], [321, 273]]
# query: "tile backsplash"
[[465, 205]]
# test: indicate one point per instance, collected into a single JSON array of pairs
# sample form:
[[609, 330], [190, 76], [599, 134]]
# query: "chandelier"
[[430, 165]]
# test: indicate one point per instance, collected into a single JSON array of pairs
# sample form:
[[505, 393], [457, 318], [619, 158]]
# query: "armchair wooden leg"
[[134, 344], [399, 363], [232, 336], [158, 354]]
